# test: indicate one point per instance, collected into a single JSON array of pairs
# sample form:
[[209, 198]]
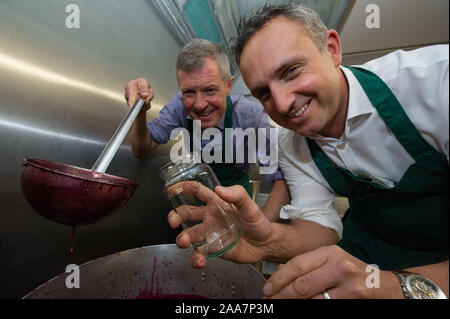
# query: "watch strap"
[[401, 274]]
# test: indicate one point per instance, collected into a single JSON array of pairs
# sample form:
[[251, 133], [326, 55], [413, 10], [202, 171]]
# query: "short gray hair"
[[252, 22], [193, 55]]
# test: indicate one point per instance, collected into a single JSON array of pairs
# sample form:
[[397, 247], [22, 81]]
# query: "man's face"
[[299, 86], [205, 93]]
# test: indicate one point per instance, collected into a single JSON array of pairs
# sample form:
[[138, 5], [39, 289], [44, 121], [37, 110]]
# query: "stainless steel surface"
[[61, 98], [116, 140], [161, 271]]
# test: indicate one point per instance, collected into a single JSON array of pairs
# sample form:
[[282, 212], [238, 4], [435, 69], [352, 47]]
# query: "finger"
[[309, 285], [174, 220], [185, 213], [293, 269], [131, 92], [238, 196], [143, 87], [198, 261], [195, 234], [332, 294], [150, 97], [288, 292], [194, 188]]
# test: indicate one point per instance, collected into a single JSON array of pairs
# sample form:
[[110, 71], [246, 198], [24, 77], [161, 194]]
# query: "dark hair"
[[252, 22]]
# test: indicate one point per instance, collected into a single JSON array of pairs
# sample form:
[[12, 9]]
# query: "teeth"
[[205, 114], [300, 112]]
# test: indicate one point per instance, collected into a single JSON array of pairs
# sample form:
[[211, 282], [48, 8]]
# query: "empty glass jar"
[[211, 222]]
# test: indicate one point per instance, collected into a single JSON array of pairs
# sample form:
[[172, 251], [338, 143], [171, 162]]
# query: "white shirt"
[[420, 81]]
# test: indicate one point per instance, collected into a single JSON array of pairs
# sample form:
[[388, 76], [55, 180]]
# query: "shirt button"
[[341, 146]]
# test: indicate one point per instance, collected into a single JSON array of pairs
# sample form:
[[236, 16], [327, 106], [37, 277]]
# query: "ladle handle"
[[111, 148]]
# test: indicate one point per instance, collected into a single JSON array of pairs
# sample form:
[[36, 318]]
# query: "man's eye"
[[291, 72], [210, 90]]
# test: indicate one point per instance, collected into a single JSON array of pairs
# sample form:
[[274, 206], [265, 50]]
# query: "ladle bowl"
[[72, 195]]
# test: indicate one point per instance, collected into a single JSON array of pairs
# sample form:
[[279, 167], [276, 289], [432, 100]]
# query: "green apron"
[[227, 173], [403, 226]]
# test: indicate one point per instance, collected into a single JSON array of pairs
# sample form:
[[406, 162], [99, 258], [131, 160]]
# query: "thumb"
[[247, 209], [148, 100]]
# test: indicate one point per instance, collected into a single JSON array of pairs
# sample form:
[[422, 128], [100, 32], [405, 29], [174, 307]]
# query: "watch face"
[[423, 288]]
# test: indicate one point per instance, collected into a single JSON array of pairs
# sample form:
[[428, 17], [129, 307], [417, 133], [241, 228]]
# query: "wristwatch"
[[416, 286]]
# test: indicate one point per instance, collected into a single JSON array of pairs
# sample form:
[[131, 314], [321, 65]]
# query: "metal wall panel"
[[61, 99], [403, 24]]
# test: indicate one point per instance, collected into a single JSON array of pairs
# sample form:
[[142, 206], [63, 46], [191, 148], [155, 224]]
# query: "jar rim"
[[179, 164]]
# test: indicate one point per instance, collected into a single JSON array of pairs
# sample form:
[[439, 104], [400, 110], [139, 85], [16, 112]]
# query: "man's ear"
[[230, 84], [334, 47]]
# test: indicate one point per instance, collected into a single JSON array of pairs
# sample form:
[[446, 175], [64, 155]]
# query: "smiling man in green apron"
[[205, 81], [377, 134]]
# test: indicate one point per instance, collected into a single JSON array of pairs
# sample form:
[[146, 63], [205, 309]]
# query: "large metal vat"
[[156, 272]]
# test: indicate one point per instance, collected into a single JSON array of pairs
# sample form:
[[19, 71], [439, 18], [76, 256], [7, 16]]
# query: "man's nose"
[[200, 102], [282, 98]]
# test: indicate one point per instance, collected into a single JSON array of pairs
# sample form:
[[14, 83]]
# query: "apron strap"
[[392, 113], [335, 177]]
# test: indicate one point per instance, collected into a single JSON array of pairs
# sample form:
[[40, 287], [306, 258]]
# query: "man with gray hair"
[[377, 134], [205, 81]]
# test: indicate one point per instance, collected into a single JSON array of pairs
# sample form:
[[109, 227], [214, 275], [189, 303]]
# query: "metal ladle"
[[76, 196]]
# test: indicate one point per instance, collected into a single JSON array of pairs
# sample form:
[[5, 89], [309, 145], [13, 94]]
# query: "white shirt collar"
[[358, 102], [359, 105]]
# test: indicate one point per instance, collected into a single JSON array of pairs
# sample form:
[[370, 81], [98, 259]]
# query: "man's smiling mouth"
[[204, 114], [300, 111]]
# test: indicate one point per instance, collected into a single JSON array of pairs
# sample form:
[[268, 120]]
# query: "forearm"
[[297, 237], [278, 197], [140, 137]]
